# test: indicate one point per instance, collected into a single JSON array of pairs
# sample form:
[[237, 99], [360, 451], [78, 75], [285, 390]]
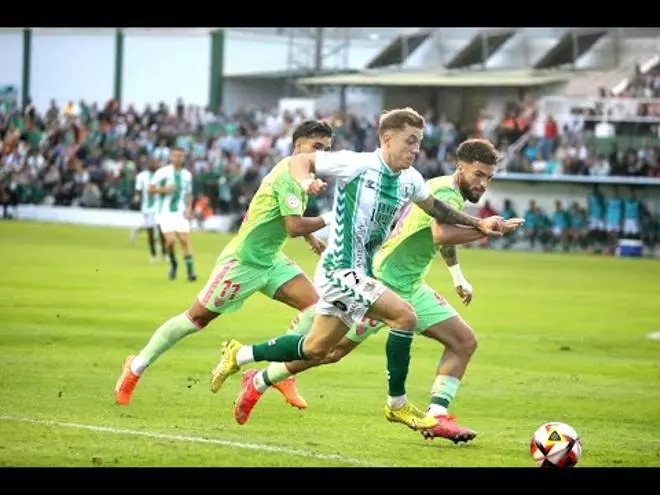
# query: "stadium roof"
[[289, 74], [399, 48], [571, 46], [481, 47], [438, 78]]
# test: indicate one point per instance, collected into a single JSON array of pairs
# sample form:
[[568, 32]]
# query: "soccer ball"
[[556, 445]]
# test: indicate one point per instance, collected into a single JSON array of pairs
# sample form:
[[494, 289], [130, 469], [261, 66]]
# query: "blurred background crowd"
[[86, 154]]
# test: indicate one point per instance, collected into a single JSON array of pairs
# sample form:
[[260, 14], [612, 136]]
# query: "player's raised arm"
[[452, 235], [443, 213], [301, 168], [341, 165]]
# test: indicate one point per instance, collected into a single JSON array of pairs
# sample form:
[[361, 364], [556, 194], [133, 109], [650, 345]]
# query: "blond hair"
[[398, 118]]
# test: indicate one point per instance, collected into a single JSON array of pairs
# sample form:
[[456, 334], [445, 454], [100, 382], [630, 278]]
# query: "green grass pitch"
[[561, 338]]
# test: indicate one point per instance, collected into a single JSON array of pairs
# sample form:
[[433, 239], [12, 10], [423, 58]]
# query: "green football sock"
[[282, 349], [189, 264], [397, 351]]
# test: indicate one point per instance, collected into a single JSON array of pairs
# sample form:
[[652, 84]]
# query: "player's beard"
[[465, 190]]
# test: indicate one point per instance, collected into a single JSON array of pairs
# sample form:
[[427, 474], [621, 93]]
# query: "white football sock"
[[259, 382], [138, 365], [245, 355], [436, 410], [397, 402]]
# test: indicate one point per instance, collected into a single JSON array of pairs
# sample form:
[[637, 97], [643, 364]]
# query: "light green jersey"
[[405, 258], [142, 181], [369, 196], [262, 234], [173, 203]]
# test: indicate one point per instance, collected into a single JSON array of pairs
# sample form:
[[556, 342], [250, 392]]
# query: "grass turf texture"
[[562, 338]]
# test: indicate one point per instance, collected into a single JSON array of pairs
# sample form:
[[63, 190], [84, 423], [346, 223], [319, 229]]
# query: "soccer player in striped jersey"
[[148, 208], [252, 262], [372, 189], [173, 186], [401, 265]]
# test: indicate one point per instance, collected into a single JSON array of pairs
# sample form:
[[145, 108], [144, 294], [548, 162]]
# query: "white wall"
[[163, 68], [11, 59], [68, 66]]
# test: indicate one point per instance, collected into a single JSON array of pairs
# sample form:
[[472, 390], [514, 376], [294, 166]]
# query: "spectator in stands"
[[600, 167], [550, 135]]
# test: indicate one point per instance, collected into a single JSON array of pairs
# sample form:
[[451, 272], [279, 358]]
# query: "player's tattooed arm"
[[443, 213], [449, 254]]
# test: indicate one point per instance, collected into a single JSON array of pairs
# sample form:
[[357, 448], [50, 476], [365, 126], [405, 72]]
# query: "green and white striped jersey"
[[142, 180], [369, 197], [173, 203]]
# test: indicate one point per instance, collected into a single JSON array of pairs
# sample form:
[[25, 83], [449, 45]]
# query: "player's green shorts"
[[231, 282], [431, 308]]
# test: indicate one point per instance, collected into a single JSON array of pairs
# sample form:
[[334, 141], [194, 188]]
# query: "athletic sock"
[[168, 334]]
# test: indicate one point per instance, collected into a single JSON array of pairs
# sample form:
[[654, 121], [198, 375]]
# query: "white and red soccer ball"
[[555, 445]]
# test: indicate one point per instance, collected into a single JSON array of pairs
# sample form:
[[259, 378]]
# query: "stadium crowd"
[[644, 85], [87, 155]]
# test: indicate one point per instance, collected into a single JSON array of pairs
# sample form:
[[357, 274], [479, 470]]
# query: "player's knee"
[[468, 343], [406, 319], [200, 316]]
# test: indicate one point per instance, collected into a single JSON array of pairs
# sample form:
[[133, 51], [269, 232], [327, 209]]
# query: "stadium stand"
[[88, 155]]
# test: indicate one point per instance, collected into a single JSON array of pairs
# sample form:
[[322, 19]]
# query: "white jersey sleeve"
[[421, 190], [157, 177], [342, 165], [140, 182]]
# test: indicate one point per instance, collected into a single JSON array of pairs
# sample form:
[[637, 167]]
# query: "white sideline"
[[193, 439]]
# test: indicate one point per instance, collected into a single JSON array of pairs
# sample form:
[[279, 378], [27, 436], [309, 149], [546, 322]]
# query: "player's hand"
[[491, 226], [512, 224], [187, 214], [317, 245], [464, 291], [317, 186]]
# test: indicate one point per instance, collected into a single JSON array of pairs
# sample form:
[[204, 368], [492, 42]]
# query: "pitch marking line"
[[193, 439]]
